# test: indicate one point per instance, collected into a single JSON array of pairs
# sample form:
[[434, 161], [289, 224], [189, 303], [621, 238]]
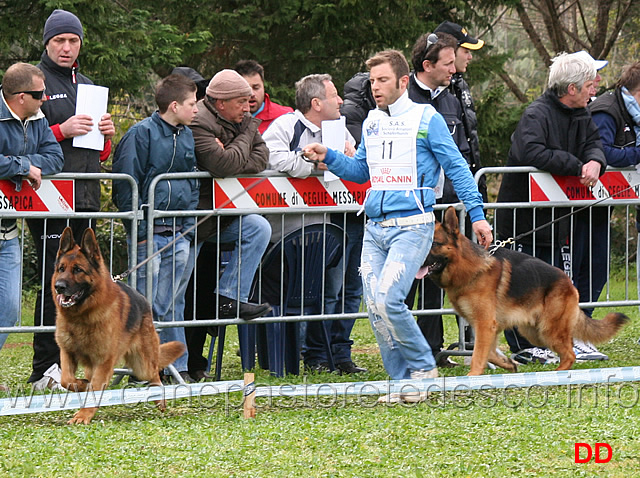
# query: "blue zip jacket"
[[152, 147], [435, 148], [26, 144]]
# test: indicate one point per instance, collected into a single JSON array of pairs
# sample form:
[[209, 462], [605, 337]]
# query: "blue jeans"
[[10, 284], [168, 270], [251, 234], [391, 257]]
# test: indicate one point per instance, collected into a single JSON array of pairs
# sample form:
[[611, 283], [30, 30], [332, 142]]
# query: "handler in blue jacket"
[[404, 147]]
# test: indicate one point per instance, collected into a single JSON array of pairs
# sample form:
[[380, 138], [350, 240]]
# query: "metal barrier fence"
[[622, 209]]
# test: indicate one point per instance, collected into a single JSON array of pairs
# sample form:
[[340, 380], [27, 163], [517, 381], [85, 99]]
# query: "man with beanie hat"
[[62, 37], [228, 144]]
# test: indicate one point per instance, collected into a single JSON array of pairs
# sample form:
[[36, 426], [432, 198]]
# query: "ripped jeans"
[[391, 257]]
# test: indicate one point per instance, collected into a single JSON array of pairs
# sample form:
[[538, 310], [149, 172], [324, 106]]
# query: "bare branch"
[[533, 34], [513, 87]]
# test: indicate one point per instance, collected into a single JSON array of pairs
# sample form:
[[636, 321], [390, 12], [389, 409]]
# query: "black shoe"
[[322, 367], [228, 309], [169, 380], [136, 382], [201, 376], [446, 362], [349, 368]]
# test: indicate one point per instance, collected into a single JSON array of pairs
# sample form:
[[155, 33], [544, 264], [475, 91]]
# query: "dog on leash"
[[100, 322], [511, 289]]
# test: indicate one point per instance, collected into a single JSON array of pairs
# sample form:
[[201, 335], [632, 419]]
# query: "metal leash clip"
[[300, 154], [498, 244]]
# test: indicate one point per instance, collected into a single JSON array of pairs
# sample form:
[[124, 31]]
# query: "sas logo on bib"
[[373, 128]]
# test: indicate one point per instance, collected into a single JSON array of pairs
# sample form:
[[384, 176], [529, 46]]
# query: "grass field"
[[498, 434]]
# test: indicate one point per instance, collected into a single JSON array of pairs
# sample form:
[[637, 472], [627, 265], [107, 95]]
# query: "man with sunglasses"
[[62, 37], [28, 150], [434, 65]]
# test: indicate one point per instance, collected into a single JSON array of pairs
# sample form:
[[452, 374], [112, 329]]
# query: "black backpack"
[[358, 101]]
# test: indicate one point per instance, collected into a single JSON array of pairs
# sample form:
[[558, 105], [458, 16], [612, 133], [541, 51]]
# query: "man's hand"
[[34, 177], [590, 173], [77, 125], [106, 127], [349, 150], [315, 151], [483, 233]]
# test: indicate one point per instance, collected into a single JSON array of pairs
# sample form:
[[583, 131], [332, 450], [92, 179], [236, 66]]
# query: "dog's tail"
[[169, 352], [598, 331]]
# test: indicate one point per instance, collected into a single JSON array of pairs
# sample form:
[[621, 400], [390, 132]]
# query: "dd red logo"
[[590, 453]]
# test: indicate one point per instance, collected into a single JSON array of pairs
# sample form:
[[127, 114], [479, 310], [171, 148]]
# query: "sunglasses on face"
[[36, 95]]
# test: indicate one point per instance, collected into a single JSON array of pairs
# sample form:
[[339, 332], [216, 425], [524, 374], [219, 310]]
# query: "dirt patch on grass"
[[17, 344], [367, 349]]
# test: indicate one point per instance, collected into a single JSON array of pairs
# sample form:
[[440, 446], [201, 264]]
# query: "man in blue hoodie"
[[28, 150], [404, 146]]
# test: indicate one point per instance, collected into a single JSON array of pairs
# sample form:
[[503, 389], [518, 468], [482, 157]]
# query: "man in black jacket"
[[555, 134], [460, 89], [62, 37]]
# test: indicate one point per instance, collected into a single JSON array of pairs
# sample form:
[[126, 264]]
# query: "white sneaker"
[[539, 355], [587, 351], [50, 380], [422, 374], [404, 397], [411, 397]]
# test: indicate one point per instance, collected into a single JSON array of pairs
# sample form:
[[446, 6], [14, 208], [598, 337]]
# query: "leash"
[[512, 240], [182, 234]]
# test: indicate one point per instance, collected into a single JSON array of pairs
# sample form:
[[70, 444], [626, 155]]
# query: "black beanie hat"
[[61, 21]]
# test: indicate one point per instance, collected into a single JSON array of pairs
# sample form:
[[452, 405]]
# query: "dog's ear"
[[450, 221], [90, 245], [66, 241]]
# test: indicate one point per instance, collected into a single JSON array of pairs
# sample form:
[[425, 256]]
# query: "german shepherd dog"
[[99, 322], [507, 289]]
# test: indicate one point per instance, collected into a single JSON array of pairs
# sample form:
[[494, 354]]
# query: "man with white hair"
[[555, 134]]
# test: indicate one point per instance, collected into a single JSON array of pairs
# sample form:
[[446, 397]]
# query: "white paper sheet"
[[92, 100], [334, 133]]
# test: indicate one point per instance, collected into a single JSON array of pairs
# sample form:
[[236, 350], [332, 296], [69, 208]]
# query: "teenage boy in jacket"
[[28, 150], [63, 36], [161, 144], [392, 253]]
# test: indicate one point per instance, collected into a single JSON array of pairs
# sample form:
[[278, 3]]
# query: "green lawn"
[[514, 433]]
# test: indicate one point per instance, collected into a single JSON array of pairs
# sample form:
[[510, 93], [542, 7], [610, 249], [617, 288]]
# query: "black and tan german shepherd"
[[507, 289], [100, 322]]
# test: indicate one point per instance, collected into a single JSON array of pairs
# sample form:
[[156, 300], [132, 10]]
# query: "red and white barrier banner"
[[280, 192], [54, 195], [612, 184]]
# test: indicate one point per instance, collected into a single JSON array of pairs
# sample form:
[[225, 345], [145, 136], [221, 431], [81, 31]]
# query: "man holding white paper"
[[62, 37], [316, 119]]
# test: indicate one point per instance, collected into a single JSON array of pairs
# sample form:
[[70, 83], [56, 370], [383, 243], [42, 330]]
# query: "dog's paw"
[[82, 416], [161, 405]]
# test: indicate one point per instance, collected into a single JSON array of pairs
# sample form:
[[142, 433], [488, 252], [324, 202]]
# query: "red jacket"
[[270, 112]]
